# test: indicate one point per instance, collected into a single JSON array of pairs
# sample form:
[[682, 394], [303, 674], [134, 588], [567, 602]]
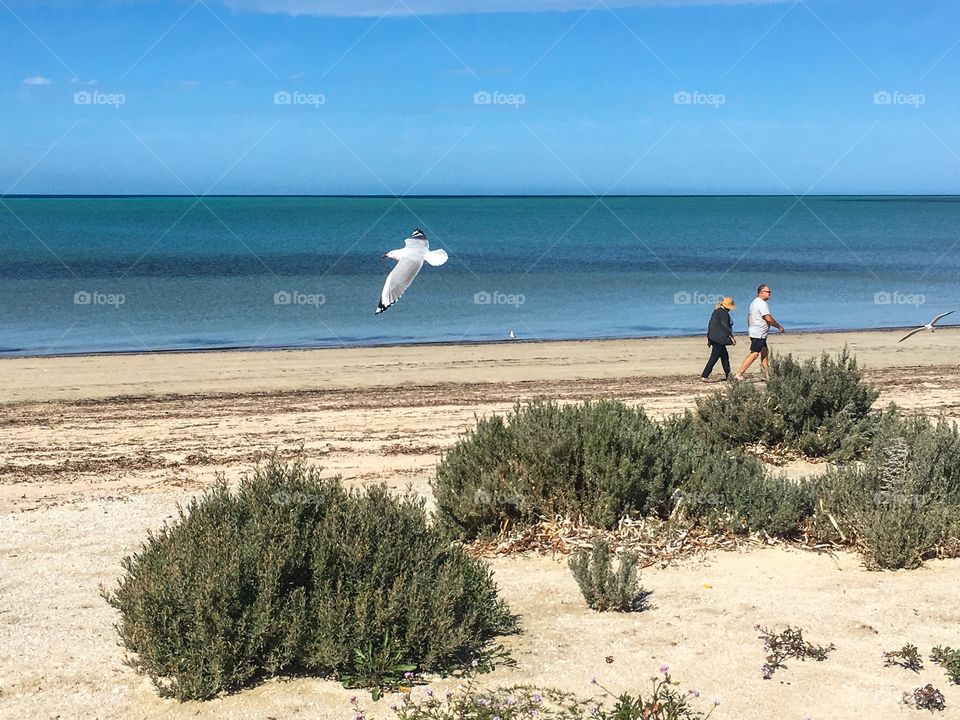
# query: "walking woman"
[[719, 335]]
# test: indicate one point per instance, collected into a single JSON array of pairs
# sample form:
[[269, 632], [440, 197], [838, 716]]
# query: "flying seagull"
[[928, 326], [409, 259]]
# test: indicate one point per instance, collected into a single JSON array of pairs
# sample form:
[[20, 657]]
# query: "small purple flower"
[[693, 693], [448, 694], [766, 672], [358, 716], [593, 681], [429, 692], [534, 712], [483, 702], [407, 675], [664, 669], [594, 710], [757, 626], [511, 701], [353, 699], [474, 662], [537, 697]]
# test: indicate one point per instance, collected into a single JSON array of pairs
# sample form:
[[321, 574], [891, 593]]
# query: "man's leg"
[[747, 362], [765, 362]]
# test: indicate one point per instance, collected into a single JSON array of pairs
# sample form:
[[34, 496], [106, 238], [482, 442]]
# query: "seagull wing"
[[398, 281], [941, 315], [912, 332]]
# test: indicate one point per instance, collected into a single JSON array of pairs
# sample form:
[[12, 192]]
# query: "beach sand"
[[96, 450]]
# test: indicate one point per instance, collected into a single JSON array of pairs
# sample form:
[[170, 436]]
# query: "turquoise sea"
[[118, 274]]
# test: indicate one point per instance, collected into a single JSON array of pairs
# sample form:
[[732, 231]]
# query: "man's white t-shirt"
[[756, 326]]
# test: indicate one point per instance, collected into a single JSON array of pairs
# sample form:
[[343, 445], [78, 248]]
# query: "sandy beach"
[[96, 450]]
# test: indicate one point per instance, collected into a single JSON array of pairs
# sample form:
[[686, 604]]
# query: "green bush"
[[598, 462], [819, 408], [603, 587], [903, 499], [293, 573]]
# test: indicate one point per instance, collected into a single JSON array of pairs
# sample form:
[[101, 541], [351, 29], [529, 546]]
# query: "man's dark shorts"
[[758, 344]]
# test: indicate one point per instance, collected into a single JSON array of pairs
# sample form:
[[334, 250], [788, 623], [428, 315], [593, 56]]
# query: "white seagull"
[[513, 335], [928, 326], [409, 259]]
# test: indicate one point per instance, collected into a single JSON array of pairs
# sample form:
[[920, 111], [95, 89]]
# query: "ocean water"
[[155, 273]]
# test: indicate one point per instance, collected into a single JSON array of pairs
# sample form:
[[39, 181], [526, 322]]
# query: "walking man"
[[759, 322]]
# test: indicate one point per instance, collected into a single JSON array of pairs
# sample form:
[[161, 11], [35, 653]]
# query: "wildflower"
[[448, 694], [353, 699], [429, 692], [766, 672], [358, 716], [511, 701], [537, 697], [693, 693], [534, 712], [757, 626], [483, 702], [594, 710], [407, 675], [664, 669], [593, 681], [474, 662], [403, 689], [716, 701]]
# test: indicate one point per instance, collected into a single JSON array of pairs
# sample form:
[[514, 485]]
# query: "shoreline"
[[391, 367], [436, 343]]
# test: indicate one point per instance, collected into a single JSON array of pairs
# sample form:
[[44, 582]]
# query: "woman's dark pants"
[[717, 352]]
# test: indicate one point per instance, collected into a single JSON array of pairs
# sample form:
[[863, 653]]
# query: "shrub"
[[602, 587], [599, 462], [819, 408], [295, 573], [903, 500]]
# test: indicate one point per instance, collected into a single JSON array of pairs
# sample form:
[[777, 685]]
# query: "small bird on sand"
[[409, 259], [928, 326], [513, 335]]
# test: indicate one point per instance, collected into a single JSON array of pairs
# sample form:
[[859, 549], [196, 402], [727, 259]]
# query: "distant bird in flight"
[[409, 261], [928, 326]]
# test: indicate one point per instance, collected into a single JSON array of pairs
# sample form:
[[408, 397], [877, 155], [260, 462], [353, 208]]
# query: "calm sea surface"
[[133, 274]]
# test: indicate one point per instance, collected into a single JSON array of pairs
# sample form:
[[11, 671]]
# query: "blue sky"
[[480, 96]]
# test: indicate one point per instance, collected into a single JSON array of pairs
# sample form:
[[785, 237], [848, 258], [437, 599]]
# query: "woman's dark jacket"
[[720, 329]]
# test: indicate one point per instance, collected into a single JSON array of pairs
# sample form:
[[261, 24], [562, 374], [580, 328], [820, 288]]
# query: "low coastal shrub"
[[949, 660], [903, 500], [818, 408], [599, 462], [294, 573], [603, 587], [665, 701]]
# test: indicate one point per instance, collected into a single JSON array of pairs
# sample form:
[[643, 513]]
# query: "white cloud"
[[36, 80], [376, 8]]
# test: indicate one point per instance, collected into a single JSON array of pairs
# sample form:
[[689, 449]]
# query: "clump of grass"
[[603, 587], [294, 573], [906, 657], [787, 644], [925, 698], [949, 660]]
